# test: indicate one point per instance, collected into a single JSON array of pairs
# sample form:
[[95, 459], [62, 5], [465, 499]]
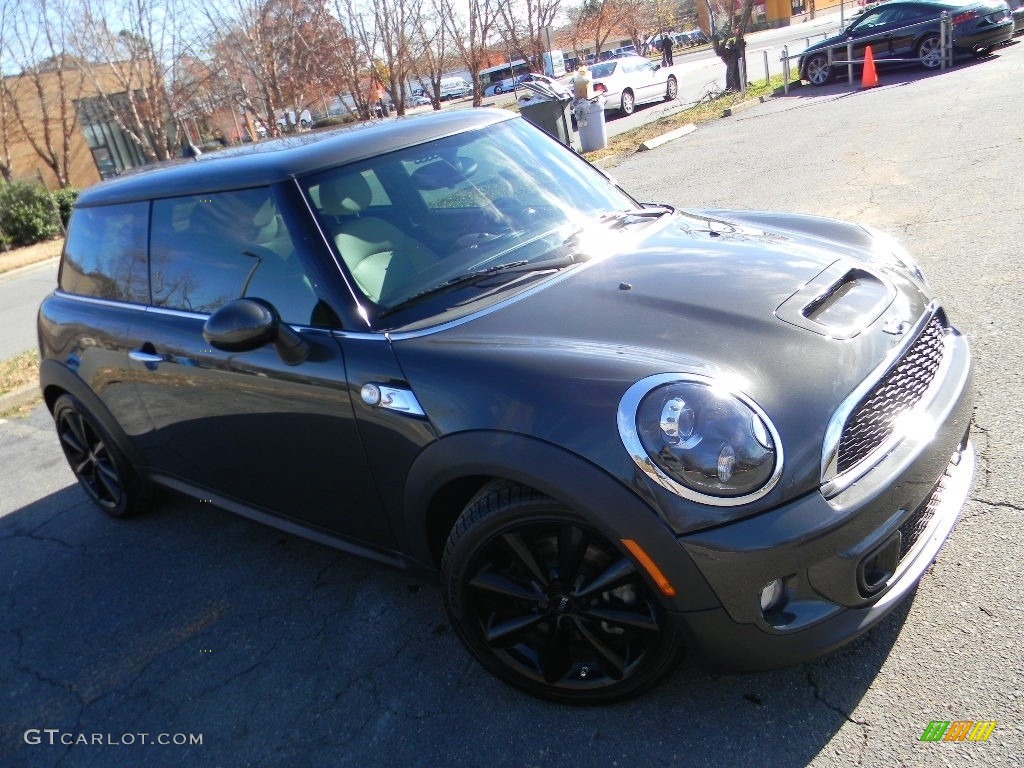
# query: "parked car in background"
[[691, 38], [615, 431], [632, 80], [909, 30], [455, 88]]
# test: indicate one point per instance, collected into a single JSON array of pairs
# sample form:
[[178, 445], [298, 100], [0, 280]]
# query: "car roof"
[[276, 160]]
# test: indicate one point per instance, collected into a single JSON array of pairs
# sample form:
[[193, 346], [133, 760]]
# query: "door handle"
[[140, 356]]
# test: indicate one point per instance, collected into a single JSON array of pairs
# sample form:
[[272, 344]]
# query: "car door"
[[250, 428]]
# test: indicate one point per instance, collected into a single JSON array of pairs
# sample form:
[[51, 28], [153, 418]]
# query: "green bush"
[[65, 200], [328, 122], [26, 214]]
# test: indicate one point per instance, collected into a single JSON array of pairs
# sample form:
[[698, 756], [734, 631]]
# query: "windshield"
[[420, 218]]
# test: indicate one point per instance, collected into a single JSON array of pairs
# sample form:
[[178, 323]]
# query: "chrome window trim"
[[626, 419], [168, 311], [834, 482], [114, 303]]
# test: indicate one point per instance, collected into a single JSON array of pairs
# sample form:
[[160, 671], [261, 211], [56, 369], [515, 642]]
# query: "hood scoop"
[[839, 302]]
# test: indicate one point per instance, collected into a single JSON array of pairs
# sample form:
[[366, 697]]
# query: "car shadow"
[[275, 650], [888, 75]]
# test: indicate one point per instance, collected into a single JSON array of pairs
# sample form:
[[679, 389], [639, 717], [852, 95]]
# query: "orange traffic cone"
[[870, 79]]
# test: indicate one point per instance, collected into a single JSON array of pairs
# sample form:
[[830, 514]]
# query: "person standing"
[[666, 50]]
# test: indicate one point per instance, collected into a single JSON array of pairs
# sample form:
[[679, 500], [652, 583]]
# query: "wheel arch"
[[56, 379], [449, 472]]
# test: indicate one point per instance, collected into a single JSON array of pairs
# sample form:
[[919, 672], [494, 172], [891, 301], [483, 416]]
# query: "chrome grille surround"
[[867, 424]]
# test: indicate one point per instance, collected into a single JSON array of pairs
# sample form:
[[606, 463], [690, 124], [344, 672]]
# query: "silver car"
[[632, 80]]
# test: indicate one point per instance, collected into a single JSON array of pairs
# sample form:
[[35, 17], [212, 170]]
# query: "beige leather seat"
[[378, 254]]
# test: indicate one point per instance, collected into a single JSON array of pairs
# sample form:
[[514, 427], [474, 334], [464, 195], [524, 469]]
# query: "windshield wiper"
[[522, 265], [619, 219]]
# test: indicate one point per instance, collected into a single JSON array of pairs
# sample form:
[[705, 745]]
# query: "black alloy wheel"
[[548, 604], [672, 90], [96, 462]]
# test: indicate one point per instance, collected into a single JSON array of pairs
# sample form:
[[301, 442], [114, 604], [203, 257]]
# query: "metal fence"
[[945, 48]]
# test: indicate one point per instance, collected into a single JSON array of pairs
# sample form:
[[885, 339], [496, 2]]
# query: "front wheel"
[[817, 70], [628, 103], [929, 52], [672, 90], [548, 604]]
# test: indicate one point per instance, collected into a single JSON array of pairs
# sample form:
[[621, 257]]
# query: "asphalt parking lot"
[[190, 622]]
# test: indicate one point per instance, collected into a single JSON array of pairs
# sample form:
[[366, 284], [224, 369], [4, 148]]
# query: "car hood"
[[721, 294]]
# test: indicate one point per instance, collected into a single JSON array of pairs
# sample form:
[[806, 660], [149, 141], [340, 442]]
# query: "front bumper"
[[844, 562], [724, 643]]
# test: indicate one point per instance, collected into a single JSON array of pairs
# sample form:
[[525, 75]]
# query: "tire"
[[102, 471], [929, 52], [628, 106], [549, 605], [817, 71], [671, 90], [498, 90]]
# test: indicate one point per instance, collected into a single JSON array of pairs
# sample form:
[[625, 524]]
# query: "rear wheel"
[[99, 466], [628, 103], [549, 605], [672, 90], [929, 52], [817, 70]]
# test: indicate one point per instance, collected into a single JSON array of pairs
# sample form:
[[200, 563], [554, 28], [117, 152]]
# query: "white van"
[[454, 88]]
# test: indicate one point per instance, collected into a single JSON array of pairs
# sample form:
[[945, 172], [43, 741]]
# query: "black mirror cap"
[[242, 325]]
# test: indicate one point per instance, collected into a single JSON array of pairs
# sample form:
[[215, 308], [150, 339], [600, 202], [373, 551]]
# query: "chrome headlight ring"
[[700, 439]]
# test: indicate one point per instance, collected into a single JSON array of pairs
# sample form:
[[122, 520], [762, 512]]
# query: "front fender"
[[615, 510]]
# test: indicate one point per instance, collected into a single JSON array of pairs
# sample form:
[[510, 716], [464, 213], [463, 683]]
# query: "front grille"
[[873, 420]]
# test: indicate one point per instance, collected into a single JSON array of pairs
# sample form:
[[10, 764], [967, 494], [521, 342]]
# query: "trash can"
[[590, 123], [549, 114]]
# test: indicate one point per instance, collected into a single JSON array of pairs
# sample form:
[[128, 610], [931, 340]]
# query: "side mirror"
[[243, 325]]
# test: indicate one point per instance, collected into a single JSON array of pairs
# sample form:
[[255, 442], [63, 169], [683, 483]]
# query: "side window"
[[105, 253], [207, 250]]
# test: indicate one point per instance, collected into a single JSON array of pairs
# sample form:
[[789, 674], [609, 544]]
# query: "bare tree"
[[729, 21], [471, 35], [431, 56], [40, 99], [396, 22], [132, 67], [271, 55], [595, 20], [7, 132], [522, 23], [362, 73]]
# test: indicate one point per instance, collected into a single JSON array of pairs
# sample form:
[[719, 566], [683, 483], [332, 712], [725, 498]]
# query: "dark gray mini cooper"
[[617, 431]]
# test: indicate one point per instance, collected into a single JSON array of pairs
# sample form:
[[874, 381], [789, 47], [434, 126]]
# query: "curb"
[[743, 106], [664, 138], [19, 398], [18, 271]]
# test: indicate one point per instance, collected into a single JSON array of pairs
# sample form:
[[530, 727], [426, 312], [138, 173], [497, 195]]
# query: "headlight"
[[699, 439], [888, 249]]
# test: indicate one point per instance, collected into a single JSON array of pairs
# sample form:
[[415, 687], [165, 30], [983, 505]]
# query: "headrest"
[[265, 215], [344, 195]]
